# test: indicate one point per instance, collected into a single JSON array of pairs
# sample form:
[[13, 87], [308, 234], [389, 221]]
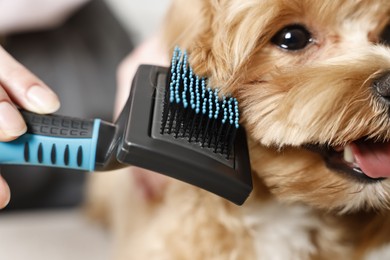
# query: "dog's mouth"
[[364, 159]]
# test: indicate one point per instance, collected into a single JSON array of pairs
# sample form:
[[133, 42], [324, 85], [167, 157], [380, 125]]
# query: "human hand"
[[152, 52], [19, 88], [150, 184]]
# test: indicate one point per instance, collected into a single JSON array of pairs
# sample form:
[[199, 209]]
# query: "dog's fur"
[[321, 94]]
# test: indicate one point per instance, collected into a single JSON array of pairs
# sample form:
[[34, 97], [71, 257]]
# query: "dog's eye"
[[385, 36], [292, 38]]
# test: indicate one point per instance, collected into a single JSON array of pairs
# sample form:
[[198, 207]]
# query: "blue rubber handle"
[[54, 141]]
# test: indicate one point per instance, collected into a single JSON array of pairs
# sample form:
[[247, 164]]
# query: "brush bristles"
[[195, 111]]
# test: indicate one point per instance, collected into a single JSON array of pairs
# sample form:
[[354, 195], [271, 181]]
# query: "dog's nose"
[[382, 86]]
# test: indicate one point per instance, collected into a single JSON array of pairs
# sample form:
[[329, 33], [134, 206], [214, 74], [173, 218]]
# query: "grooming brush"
[[173, 123]]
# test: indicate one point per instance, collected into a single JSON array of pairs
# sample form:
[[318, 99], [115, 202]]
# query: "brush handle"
[[54, 141]]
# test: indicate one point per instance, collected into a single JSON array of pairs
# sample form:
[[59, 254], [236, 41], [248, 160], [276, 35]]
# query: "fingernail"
[[5, 195], [11, 122], [44, 100]]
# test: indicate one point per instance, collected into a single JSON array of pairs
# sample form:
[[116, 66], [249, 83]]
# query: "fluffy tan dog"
[[313, 80]]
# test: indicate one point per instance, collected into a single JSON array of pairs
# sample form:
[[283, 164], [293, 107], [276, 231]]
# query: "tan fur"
[[299, 208]]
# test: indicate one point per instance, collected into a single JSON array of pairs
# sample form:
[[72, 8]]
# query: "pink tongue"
[[373, 158]]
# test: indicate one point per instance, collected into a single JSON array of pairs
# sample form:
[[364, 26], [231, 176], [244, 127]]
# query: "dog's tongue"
[[373, 158]]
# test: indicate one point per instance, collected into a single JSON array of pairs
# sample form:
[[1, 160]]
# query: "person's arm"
[[152, 51], [19, 88], [27, 15]]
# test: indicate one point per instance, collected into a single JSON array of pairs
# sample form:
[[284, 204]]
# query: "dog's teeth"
[[348, 154]]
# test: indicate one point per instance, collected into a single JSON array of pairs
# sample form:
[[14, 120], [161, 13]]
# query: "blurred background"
[[77, 55]]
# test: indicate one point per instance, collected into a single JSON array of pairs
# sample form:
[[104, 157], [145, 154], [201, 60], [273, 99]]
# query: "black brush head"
[[195, 111], [173, 139]]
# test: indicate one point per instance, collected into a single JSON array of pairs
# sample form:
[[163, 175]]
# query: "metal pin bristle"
[[195, 111]]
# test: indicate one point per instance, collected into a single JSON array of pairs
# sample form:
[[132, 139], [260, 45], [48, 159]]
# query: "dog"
[[313, 81]]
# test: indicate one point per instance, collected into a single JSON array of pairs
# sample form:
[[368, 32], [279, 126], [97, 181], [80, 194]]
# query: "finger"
[[11, 122], [24, 88], [5, 194], [150, 185]]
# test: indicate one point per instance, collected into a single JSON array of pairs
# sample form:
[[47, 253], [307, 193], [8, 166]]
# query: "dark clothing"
[[78, 61]]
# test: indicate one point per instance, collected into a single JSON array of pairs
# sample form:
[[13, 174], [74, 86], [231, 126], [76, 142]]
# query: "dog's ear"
[[189, 24], [185, 21], [221, 35]]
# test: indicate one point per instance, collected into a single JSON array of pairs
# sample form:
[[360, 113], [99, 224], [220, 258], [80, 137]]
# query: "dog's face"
[[313, 80]]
